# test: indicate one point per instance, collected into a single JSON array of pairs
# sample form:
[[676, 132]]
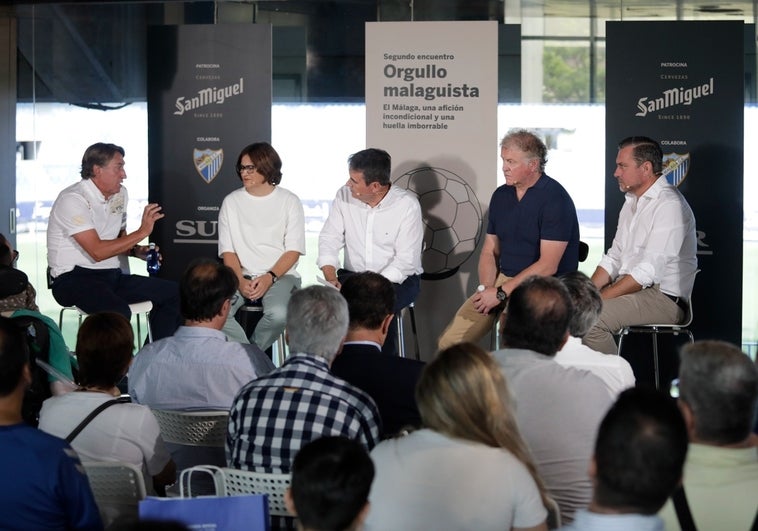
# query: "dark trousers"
[[405, 294], [109, 290]]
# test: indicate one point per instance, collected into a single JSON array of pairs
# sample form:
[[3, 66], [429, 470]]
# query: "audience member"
[[639, 453], [648, 273], [532, 230], [18, 298], [87, 245], [378, 227], [261, 236], [718, 396], [273, 416], [389, 380], [331, 479], [197, 368], [42, 485], [586, 305], [469, 467], [558, 409], [122, 432]]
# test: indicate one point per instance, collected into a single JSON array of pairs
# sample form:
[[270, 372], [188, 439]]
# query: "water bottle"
[[153, 264]]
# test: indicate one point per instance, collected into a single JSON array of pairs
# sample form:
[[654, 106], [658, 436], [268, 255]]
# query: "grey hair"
[[586, 303], [317, 321], [719, 383]]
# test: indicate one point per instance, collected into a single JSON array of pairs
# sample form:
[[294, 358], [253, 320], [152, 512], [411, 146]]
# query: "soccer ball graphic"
[[452, 219]]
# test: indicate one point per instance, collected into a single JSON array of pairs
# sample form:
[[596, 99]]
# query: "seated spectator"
[[197, 368], [718, 395], [273, 416], [468, 468], [331, 479], [123, 432], [389, 380], [614, 370], [18, 298], [42, 485], [558, 409], [639, 453]]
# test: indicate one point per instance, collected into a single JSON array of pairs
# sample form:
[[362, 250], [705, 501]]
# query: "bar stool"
[[279, 345], [137, 309], [400, 331], [654, 330]]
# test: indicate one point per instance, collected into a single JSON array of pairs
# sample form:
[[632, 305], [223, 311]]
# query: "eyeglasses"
[[15, 256], [249, 167]]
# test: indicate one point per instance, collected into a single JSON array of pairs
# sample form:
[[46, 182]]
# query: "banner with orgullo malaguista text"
[[431, 102]]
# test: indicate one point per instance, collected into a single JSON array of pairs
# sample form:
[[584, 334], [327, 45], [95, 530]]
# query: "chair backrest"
[[193, 428], [117, 487], [553, 514], [245, 482]]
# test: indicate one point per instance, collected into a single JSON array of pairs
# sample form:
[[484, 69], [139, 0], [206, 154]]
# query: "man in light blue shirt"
[[639, 455], [197, 368]]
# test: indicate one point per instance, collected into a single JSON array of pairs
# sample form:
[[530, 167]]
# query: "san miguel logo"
[[675, 167], [208, 162], [208, 96], [673, 97]]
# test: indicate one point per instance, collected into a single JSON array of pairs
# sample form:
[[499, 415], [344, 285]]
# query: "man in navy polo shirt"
[[532, 230]]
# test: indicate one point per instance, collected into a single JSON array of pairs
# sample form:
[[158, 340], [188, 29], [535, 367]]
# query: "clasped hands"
[[485, 301], [256, 288]]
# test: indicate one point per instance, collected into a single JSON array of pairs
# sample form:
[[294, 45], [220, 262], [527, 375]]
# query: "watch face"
[[500, 294]]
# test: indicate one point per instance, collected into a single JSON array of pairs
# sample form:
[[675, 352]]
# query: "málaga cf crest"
[[675, 167], [208, 162]]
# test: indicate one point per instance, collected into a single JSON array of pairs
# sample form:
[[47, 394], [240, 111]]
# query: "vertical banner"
[[668, 81], [209, 95], [431, 102]]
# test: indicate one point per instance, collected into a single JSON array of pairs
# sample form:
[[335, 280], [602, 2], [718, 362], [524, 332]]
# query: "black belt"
[[679, 301]]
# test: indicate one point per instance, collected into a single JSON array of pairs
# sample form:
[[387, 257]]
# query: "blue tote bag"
[[211, 513]]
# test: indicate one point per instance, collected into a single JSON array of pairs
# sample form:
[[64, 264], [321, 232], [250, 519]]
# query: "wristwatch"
[[274, 278], [501, 295]]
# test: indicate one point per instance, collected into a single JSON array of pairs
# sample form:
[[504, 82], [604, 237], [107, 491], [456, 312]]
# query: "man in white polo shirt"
[[87, 243]]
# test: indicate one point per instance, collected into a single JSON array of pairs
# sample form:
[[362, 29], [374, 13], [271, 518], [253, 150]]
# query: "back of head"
[[99, 154], [331, 480], [719, 384], [639, 453], [645, 149], [527, 142], [104, 347], [462, 393], [586, 303], [370, 298], [14, 355], [317, 320], [375, 164], [537, 316], [204, 287], [265, 159]]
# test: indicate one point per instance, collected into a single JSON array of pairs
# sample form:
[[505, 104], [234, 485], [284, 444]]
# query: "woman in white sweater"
[[468, 468]]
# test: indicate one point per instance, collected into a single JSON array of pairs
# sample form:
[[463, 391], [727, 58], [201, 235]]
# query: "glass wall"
[[81, 78]]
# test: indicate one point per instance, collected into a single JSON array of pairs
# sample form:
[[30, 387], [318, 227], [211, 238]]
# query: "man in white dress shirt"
[[648, 273], [198, 367], [380, 229], [614, 370]]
